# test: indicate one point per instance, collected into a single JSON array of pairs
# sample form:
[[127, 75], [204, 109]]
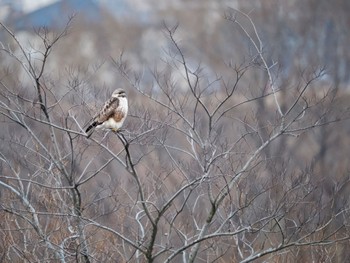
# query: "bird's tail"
[[90, 129]]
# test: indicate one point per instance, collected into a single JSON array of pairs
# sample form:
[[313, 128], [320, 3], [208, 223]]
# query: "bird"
[[112, 115]]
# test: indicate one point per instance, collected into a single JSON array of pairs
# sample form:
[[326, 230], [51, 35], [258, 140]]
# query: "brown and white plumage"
[[112, 114]]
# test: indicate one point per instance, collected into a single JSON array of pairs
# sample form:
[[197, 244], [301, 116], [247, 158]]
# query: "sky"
[[30, 5]]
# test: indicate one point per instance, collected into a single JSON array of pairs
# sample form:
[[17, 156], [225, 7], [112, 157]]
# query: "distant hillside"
[[57, 14]]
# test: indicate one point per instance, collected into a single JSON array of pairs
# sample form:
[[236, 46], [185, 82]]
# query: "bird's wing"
[[107, 111]]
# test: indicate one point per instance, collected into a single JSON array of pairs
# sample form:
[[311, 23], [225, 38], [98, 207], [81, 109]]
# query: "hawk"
[[112, 114]]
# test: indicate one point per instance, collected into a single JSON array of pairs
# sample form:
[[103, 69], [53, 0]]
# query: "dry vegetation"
[[224, 162]]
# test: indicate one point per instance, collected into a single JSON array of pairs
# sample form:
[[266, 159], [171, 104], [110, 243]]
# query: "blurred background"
[[297, 34], [297, 37]]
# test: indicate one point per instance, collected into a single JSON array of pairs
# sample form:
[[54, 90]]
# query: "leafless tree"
[[206, 169]]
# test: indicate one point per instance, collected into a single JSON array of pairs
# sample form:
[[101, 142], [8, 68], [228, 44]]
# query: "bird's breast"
[[123, 106]]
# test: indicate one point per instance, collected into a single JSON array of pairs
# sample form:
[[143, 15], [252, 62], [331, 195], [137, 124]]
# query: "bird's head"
[[119, 93]]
